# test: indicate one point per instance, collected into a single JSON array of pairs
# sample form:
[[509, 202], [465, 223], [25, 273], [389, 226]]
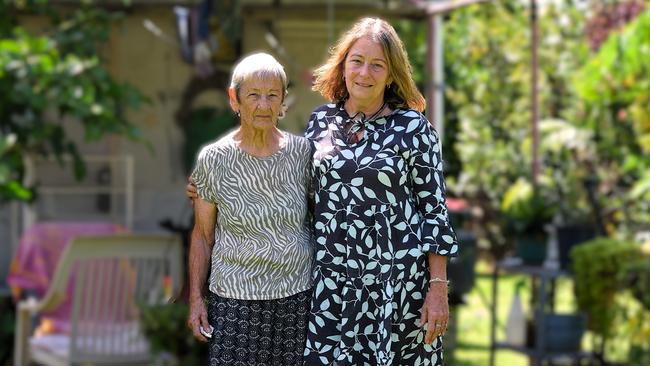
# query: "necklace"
[[358, 122], [360, 116]]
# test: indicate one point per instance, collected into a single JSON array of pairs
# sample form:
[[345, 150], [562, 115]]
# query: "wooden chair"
[[110, 278]]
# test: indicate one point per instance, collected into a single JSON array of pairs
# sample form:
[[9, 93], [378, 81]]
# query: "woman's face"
[[366, 72], [260, 102]]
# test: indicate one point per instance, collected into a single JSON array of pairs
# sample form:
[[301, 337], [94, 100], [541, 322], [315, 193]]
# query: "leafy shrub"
[[165, 327], [598, 267]]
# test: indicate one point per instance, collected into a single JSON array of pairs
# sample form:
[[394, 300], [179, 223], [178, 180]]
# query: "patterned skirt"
[[374, 323], [258, 332]]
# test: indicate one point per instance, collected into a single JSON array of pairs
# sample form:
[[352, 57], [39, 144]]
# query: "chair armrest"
[[25, 312]]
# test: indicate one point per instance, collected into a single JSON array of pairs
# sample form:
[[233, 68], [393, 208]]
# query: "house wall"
[[306, 34], [156, 68]]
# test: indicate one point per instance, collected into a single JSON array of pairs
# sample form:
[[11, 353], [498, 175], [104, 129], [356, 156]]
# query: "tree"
[[487, 48], [51, 79], [615, 90]]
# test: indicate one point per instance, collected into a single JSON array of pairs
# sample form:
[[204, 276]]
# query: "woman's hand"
[[190, 189], [435, 311], [197, 318], [201, 243]]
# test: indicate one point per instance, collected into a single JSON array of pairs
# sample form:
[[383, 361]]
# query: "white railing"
[[109, 178]]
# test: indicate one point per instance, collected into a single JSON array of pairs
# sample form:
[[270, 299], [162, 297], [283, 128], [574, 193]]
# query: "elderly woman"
[[251, 230], [381, 224]]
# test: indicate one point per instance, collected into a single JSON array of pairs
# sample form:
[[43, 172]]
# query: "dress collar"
[[368, 124]]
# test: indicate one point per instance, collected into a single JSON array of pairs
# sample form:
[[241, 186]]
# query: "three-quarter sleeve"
[[203, 175], [428, 185]]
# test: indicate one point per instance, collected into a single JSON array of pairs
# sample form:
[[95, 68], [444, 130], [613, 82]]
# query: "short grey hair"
[[260, 65]]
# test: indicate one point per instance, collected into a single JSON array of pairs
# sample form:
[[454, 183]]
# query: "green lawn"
[[473, 318]]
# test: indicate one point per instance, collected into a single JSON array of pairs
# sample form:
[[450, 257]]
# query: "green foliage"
[[414, 36], [637, 274], [637, 319], [526, 209], [594, 123], [164, 326], [52, 80], [615, 86], [598, 266], [568, 155], [636, 324], [633, 307], [616, 82], [489, 89]]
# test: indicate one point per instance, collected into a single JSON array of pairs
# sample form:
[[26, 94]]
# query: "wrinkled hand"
[[435, 311], [190, 190], [198, 317]]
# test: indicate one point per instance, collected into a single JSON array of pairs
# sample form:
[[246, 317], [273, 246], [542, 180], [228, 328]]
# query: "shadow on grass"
[[472, 346]]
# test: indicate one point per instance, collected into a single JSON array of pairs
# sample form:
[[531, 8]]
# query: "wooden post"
[[534, 97], [434, 88], [434, 85]]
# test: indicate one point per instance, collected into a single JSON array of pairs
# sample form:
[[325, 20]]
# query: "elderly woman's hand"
[[190, 190], [435, 311], [197, 319]]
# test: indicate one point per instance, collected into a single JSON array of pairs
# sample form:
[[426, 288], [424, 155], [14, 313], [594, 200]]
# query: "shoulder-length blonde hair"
[[402, 91]]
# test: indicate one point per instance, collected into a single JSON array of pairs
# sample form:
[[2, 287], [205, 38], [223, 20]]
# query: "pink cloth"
[[40, 248]]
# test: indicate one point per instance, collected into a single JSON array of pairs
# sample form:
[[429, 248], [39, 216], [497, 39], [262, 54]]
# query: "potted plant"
[[527, 211], [461, 270], [563, 332]]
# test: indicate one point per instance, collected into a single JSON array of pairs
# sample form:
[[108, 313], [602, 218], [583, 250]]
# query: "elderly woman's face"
[[260, 102], [366, 71]]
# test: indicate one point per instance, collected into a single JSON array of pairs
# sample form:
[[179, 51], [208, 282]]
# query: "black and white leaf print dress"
[[379, 208]]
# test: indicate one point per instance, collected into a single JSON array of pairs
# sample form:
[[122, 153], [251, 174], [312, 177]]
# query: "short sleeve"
[[204, 176], [428, 185]]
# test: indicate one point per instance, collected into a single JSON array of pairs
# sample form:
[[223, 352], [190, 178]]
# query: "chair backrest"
[[112, 277]]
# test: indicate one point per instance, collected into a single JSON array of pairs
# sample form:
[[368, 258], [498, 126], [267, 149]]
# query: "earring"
[[238, 114]]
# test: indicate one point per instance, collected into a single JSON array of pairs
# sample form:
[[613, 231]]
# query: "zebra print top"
[[262, 244]]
